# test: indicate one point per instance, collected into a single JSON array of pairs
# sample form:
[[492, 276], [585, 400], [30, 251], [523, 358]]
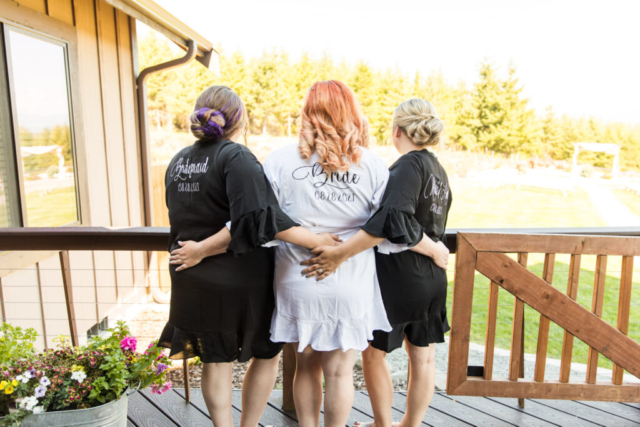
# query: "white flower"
[[22, 378], [78, 376], [45, 381], [29, 402], [38, 409]]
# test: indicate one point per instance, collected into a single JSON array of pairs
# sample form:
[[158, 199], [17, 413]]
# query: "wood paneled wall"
[[113, 178]]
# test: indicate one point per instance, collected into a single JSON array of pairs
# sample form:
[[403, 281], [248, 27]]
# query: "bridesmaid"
[[221, 305], [413, 286]]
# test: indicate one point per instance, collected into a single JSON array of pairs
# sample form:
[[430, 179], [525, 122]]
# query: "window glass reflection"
[[38, 75]]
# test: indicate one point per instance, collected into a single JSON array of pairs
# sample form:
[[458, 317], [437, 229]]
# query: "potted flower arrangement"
[[73, 385]]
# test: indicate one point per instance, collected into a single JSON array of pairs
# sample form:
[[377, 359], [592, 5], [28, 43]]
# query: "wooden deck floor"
[[171, 409]]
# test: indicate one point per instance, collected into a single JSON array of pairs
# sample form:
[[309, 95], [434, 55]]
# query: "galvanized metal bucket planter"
[[112, 414]]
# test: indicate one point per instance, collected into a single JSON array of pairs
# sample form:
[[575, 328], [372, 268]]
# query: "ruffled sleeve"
[[255, 214], [395, 219]]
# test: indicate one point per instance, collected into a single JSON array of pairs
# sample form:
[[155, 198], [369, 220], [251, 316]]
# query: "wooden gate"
[[488, 255]]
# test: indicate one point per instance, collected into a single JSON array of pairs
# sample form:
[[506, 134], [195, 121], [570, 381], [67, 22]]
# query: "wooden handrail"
[[479, 248], [488, 254], [157, 238]]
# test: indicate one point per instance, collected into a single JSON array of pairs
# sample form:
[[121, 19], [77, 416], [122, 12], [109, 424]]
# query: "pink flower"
[[165, 387], [159, 389], [128, 343]]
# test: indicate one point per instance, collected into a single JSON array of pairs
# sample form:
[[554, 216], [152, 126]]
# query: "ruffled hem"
[[327, 335], [421, 333], [395, 226], [217, 347], [257, 228]]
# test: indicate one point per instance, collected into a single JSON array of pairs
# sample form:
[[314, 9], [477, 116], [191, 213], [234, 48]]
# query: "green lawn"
[[630, 200], [510, 206], [475, 207], [56, 207]]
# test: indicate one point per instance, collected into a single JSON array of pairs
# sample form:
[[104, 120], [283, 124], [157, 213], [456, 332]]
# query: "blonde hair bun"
[[419, 120]]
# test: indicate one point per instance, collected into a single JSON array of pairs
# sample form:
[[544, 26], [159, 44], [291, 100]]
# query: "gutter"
[[143, 120]]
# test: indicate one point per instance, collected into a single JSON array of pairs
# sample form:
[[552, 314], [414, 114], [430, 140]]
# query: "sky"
[[581, 57]]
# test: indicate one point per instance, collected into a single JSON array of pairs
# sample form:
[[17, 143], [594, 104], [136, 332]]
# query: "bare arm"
[[191, 253], [328, 258], [434, 250], [302, 237]]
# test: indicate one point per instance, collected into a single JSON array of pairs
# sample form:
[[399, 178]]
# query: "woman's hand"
[[441, 255], [189, 254], [327, 239], [327, 260]]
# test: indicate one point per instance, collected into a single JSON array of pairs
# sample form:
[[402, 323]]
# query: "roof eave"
[[154, 16]]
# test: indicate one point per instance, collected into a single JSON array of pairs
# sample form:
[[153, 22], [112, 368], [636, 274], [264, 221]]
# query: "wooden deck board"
[[143, 414], [270, 416], [587, 413], [502, 412], [177, 409], [197, 400], [541, 411], [433, 417], [619, 409], [170, 409]]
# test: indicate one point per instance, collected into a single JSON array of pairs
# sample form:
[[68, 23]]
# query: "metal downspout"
[[143, 120]]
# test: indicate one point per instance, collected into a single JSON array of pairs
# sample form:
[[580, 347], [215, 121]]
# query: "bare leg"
[[216, 389], [307, 387], [256, 389], [422, 381], [338, 376], [379, 385]]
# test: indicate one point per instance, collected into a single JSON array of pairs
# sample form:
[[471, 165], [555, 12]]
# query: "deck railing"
[[488, 255], [479, 249]]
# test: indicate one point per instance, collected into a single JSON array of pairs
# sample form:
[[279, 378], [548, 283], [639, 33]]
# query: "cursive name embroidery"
[[183, 170], [438, 191], [320, 178]]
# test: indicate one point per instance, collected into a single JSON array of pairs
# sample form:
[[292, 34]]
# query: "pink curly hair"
[[333, 125]]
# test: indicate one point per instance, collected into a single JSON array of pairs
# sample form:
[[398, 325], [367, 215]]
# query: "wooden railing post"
[[596, 307], [65, 265], [567, 340], [288, 373], [543, 326], [490, 340], [624, 306], [187, 385], [516, 362]]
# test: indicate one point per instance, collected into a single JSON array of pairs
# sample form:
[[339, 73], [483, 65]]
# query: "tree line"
[[490, 114]]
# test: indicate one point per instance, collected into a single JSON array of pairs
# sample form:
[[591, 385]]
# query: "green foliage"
[[489, 115], [15, 343], [69, 377]]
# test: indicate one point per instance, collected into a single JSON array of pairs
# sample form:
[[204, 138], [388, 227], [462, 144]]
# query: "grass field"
[[630, 200], [56, 207], [509, 207]]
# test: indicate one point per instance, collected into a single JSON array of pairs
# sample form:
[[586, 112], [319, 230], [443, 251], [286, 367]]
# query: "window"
[[37, 163]]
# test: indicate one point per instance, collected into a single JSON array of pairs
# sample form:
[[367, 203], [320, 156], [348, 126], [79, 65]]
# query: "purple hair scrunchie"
[[210, 128]]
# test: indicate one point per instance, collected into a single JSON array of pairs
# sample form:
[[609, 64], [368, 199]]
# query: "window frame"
[[51, 30]]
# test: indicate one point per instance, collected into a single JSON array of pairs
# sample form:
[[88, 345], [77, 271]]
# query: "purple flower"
[[160, 368], [40, 390], [128, 343]]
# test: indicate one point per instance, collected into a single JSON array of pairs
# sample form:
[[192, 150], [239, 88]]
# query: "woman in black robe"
[[221, 308], [412, 215]]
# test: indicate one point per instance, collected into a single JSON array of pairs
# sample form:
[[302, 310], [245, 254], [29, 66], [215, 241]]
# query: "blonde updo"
[[218, 114], [419, 121]]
